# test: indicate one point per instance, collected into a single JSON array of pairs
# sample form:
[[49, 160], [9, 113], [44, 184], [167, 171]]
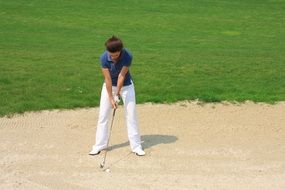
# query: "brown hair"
[[114, 44]]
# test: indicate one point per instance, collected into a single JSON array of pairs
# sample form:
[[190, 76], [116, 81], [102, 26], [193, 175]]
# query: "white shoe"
[[94, 151], [139, 152]]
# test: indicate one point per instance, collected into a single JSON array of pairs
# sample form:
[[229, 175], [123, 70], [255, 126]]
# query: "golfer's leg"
[[102, 126], [129, 99]]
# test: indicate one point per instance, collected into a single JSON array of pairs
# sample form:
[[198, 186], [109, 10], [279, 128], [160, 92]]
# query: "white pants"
[[129, 99]]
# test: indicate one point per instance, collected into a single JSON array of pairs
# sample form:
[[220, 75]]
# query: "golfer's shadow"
[[149, 141]]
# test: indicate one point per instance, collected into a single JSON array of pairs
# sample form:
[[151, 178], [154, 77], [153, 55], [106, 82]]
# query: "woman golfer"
[[116, 61]]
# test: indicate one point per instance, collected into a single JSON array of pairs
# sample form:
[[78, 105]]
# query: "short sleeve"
[[104, 63], [128, 61]]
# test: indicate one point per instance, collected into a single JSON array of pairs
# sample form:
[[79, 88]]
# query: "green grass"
[[211, 50]]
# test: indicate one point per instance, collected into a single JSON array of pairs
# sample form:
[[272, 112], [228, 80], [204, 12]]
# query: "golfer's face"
[[114, 56]]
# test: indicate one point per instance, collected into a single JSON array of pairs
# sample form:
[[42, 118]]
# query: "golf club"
[[106, 150]]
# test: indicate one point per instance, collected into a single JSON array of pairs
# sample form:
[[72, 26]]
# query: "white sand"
[[188, 146]]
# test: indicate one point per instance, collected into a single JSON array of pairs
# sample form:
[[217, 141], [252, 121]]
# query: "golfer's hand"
[[114, 103], [117, 98]]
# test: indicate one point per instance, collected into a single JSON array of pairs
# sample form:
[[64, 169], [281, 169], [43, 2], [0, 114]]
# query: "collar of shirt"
[[110, 59]]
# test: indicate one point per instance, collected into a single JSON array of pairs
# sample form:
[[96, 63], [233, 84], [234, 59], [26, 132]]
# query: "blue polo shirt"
[[115, 68]]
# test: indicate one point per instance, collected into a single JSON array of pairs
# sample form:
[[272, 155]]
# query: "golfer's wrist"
[[111, 98]]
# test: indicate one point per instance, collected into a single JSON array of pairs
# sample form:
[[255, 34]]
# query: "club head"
[[108, 170], [101, 166]]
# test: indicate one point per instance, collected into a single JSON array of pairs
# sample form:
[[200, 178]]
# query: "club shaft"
[[105, 152]]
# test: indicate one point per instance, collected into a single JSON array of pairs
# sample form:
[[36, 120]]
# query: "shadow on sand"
[[149, 141]]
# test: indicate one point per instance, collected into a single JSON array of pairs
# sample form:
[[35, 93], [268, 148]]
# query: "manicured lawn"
[[211, 50]]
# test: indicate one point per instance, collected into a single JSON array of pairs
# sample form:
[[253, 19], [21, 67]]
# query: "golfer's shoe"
[[139, 152], [94, 151]]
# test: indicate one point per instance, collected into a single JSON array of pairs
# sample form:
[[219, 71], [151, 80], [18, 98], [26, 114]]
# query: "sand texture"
[[188, 145]]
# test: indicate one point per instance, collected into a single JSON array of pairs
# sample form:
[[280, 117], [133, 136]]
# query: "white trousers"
[[129, 100]]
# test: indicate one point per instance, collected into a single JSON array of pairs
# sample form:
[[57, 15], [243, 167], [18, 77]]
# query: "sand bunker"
[[188, 145]]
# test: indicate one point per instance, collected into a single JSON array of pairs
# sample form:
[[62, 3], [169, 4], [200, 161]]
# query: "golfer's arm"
[[121, 79], [108, 82]]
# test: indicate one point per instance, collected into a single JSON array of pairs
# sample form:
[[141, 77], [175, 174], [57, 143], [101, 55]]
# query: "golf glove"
[[117, 99]]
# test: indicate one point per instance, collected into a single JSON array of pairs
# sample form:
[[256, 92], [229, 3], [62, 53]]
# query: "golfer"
[[116, 61]]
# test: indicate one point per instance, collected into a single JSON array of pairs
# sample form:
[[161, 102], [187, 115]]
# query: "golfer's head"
[[114, 46]]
